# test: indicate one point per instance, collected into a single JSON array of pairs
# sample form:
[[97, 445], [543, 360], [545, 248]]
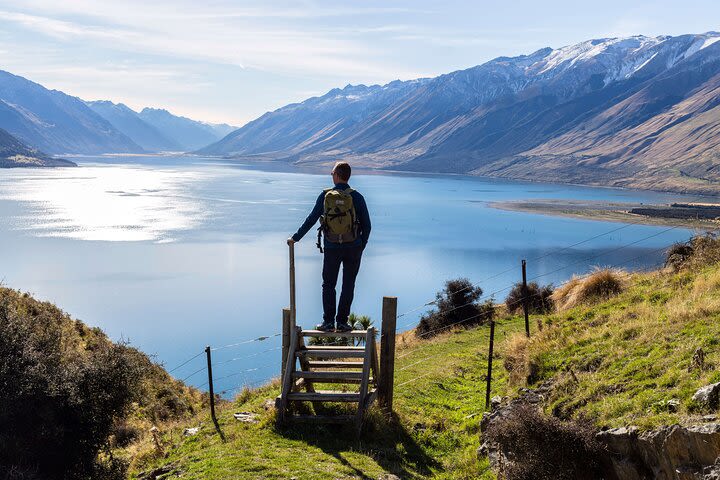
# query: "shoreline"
[[601, 211]]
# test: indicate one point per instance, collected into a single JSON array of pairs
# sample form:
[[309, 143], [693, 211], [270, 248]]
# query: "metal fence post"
[[210, 383], [490, 359], [526, 306]]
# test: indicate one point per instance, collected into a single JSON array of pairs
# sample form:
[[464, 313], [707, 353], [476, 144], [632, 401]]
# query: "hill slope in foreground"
[[617, 361]]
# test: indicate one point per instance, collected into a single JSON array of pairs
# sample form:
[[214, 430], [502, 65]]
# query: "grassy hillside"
[[434, 433], [624, 360], [616, 361]]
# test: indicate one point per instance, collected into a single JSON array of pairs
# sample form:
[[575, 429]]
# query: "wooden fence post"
[[490, 359], [286, 329], [210, 384], [387, 353], [526, 306], [293, 306]]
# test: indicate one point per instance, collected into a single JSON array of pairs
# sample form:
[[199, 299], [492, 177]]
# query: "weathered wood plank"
[[324, 396], [287, 379], [320, 348], [339, 377], [386, 377], [330, 353], [369, 339], [319, 334], [325, 364]]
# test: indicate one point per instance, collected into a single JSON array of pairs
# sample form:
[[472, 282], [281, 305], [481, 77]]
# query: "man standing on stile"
[[345, 225]]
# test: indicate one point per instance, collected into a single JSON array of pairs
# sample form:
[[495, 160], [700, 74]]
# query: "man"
[[345, 224]]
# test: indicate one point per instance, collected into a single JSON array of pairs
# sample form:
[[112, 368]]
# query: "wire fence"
[[486, 297]]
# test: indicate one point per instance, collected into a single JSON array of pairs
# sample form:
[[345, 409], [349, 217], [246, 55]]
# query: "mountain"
[[55, 122], [187, 133], [129, 123], [598, 112], [14, 153]]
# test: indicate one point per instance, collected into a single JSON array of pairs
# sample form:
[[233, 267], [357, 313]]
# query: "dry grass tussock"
[[516, 358], [601, 284]]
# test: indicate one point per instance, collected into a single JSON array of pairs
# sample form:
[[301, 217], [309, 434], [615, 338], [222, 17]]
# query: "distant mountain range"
[[60, 124], [636, 111], [14, 153]]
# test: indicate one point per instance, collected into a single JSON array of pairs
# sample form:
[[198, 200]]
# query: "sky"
[[231, 61]]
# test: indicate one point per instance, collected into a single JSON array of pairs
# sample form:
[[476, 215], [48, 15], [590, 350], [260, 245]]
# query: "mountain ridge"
[[55, 122], [493, 119]]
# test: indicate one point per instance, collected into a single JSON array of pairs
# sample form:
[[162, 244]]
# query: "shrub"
[[541, 447], [678, 255], [539, 298], [457, 305], [699, 251], [61, 393], [602, 284]]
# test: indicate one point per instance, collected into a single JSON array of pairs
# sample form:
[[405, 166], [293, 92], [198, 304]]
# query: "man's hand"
[[290, 241]]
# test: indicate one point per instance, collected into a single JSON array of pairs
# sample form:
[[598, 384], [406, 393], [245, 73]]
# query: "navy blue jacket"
[[361, 211]]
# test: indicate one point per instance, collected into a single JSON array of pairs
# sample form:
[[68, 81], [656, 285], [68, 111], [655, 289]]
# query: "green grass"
[[439, 401], [632, 354], [617, 362]]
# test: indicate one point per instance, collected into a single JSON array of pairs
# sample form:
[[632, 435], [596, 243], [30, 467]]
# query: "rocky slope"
[[596, 112], [14, 153]]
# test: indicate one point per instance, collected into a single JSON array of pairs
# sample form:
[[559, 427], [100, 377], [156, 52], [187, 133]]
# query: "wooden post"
[[526, 306], [286, 329], [293, 306], [210, 383], [490, 357], [387, 353]]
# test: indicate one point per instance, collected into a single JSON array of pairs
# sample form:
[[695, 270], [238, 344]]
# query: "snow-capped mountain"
[[507, 112]]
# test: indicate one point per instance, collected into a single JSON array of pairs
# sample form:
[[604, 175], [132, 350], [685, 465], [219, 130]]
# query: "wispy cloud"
[[219, 37]]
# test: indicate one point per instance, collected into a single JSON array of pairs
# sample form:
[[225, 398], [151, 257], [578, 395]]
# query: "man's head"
[[341, 172]]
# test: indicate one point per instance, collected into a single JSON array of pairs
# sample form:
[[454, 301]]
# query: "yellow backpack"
[[339, 221]]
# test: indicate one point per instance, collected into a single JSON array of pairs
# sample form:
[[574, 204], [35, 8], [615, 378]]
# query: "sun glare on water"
[[118, 203]]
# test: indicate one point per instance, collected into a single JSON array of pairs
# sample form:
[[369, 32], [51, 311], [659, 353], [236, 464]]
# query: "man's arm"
[[364, 219], [311, 219]]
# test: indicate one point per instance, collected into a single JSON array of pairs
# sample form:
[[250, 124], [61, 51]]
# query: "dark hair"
[[343, 170]]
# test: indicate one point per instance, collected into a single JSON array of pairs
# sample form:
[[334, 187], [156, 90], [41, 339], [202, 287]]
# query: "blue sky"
[[231, 61]]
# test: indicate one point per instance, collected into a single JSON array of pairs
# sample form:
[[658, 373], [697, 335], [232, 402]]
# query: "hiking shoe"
[[343, 327], [325, 327]]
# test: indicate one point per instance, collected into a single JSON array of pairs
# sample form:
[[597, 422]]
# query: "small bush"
[[678, 255], [539, 298], [699, 251], [602, 284], [457, 305], [541, 447]]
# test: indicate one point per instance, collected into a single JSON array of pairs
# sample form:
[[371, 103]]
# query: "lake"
[[175, 253]]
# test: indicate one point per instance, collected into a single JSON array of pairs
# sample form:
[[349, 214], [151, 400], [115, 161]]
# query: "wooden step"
[[322, 418], [330, 377], [318, 333], [335, 364], [323, 396], [336, 352], [334, 347]]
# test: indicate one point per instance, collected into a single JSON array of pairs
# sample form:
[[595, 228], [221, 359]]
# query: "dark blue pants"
[[349, 257]]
